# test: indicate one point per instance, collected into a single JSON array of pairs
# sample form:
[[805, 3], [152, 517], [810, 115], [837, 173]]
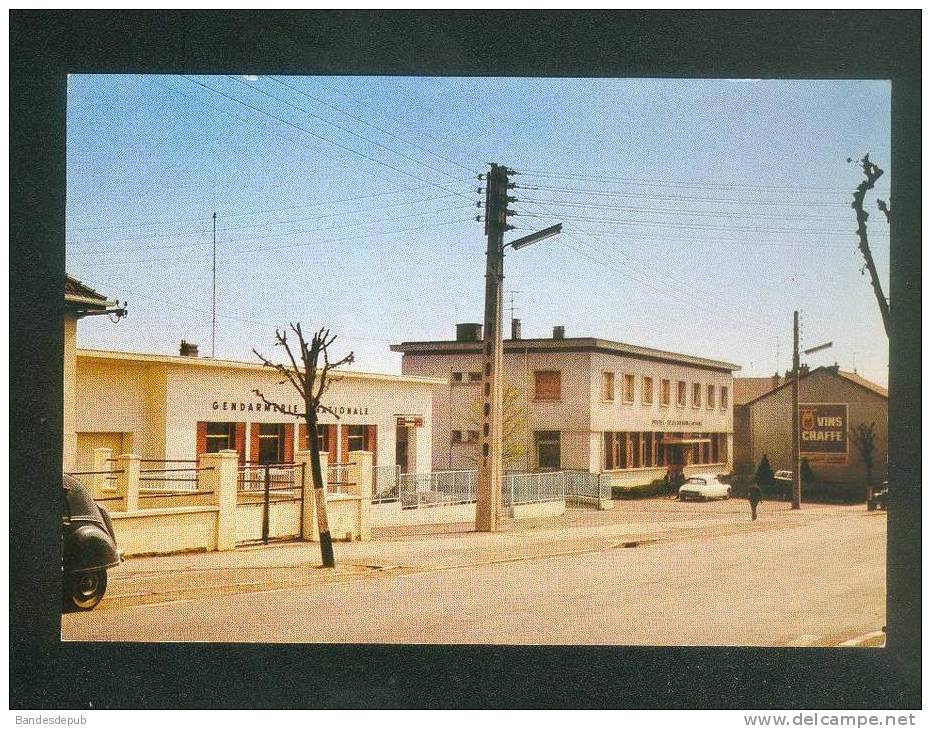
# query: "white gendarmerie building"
[[177, 407], [580, 403]]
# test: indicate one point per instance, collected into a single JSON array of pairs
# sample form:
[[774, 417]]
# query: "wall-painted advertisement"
[[823, 432]]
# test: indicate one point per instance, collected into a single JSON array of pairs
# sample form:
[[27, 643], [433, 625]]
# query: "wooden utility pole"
[[796, 466], [213, 335], [488, 498]]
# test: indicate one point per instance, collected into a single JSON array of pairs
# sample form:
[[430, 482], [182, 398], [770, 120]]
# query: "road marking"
[[803, 640], [861, 639]]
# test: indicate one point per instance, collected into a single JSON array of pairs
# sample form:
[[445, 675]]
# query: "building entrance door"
[[401, 448]]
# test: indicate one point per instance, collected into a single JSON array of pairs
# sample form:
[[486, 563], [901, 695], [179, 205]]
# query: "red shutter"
[[302, 443], [371, 441], [288, 442], [201, 437], [254, 442], [240, 441], [331, 442], [344, 436]]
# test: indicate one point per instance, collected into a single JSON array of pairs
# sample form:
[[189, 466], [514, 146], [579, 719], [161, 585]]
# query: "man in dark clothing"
[[755, 496]]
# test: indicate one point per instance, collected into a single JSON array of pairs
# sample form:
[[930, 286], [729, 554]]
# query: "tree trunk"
[[869, 481], [323, 523]]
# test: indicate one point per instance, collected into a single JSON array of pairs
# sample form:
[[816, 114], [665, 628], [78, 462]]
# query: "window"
[[680, 394], [723, 397], [607, 386], [710, 399], [547, 442], [475, 377], [696, 395], [358, 437], [221, 437], [457, 377], [628, 388], [457, 436], [664, 393], [472, 436], [323, 438], [271, 443], [547, 385], [647, 394]]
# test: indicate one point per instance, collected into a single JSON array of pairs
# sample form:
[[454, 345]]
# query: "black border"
[[794, 44]]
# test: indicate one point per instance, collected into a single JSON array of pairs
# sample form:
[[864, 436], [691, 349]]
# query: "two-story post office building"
[[580, 403]]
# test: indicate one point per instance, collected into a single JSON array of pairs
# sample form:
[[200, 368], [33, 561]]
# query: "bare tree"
[[311, 380], [863, 436], [514, 420], [872, 172]]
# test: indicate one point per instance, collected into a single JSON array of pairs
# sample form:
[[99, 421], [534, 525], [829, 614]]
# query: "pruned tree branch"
[[871, 172], [882, 205]]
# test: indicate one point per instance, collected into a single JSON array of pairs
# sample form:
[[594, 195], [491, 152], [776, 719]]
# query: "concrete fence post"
[[222, 481], [361, 462], [127, 482], [99, 482]]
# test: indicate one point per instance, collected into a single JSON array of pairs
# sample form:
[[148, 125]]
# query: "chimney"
[[775, 380], [188, 349], [803, 370], [559, 332], [468, 332], [515, 328]]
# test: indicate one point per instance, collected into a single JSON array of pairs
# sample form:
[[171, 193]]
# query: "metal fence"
[[530, 488], [439, 488], [340, 476], [168, 481], [278, 476], [585, 487], [387, 483]]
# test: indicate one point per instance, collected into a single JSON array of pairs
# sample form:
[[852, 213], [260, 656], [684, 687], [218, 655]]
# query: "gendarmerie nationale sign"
[[823, 432], [286, 408], [670, 423]]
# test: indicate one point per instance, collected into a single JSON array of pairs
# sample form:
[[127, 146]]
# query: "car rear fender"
[[88, 548]]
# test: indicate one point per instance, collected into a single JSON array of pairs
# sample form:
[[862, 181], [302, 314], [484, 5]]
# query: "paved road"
[[802, 584]]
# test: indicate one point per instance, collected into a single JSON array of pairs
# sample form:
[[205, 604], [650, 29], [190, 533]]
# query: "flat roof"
[[568, 344], [169, 359]]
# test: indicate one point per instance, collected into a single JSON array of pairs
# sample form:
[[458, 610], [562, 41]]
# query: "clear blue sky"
[[698, 214]]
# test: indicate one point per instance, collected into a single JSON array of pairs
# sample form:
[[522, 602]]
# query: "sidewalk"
[[146, 580]]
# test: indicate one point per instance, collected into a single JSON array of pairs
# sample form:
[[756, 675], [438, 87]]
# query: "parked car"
[[88, 547], [783, 483], [879, 498], [704, 486]]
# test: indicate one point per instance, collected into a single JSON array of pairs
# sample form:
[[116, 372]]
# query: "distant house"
[[80, 301], [831, 402]]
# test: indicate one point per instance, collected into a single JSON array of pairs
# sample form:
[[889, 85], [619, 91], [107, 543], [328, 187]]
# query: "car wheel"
[[84, 591]]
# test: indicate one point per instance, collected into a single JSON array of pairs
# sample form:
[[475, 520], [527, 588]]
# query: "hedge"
[[639, 491]]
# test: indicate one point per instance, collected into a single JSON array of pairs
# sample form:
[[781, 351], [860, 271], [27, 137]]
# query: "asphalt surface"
[[648, 573]]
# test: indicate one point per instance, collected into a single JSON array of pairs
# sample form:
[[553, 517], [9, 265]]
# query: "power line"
[[320, 137], [696, 226], [372, 126], [678, 183], [234, 252], [686, 198], [247, 213], [265, 224]]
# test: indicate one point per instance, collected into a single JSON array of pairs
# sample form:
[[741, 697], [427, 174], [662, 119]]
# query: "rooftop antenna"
[[213, 335], [512, 307]]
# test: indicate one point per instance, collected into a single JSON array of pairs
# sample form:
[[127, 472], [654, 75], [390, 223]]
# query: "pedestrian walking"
[[755, 496]]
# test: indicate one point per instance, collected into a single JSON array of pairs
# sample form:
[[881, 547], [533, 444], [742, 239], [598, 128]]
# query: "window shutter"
[[302, 443], [254, 442], [371, 441], [331, 442], [288, 450], [344, 438], [201, 437], [240, 441], [547, 384]]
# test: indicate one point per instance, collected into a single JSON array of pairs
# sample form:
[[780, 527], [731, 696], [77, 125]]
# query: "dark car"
[[88, 547], [879, 498]]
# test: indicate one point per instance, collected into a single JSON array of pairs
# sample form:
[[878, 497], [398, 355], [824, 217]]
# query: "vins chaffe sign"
[[823, 432]]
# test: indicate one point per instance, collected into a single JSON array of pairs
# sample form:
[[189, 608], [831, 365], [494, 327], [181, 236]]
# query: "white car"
[[704, 486]]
